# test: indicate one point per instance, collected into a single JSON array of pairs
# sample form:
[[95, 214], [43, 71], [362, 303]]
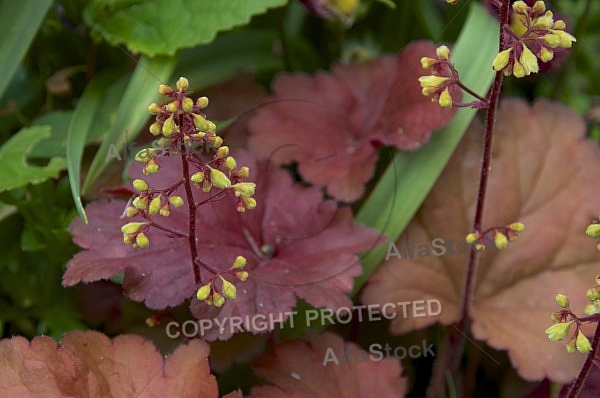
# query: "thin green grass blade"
[[20, 20], [132, 114], [411, 175], [77, 134]]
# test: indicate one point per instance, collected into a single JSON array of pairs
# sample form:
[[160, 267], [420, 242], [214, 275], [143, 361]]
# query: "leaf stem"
[[578, 384]]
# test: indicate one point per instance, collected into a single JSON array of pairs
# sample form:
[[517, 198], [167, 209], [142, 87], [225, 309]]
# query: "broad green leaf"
[[20, 21], [14, 169], [161, 27], [410, 176], [78, 132], [132, 113]]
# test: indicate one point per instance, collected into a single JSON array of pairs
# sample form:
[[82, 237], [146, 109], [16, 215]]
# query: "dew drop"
[[295, 375], [260, 305]]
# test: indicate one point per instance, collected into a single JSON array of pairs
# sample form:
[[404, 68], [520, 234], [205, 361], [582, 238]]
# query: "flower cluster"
[[218, 288], [180, 123], [533, 35], [502, 235], [564, 318], [438, 84]]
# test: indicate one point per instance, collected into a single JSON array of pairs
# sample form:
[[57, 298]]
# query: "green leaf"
[[155, 27], [78, 132], [55, 144], [228, 55], [20, 21], [14, 169], [411, 175], [132, 113]]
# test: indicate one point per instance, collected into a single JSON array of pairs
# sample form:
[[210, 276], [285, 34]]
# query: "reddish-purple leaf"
[[330, 122], [314, 245]]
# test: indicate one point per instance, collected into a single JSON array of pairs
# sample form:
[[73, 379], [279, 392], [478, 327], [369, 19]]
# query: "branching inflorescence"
[[206, 166]]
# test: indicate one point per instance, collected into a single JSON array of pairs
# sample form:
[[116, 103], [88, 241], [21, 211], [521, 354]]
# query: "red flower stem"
[[473, 93], [578, 384], [167, 229], [192, 218], [452, 348]]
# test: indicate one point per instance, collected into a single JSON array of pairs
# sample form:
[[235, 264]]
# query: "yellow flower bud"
[[155, 128], [182, 84], [140, 185], [218, 300], [131, 211], [529, 61], [553, 40], [164, 90], [230, 163], [169, 127], [239, 263], [188, 104], [197, 177], [142, 241], [539, 7], [582, 343], [517, 227], [500, 240], [570, 346], [445, 99], [242, 276], [249, 202], [566, 39], [443, 52], [593, 293], [545, 54], [244, 189], [544, 22], [228, 289], [427, 62], [154, 109], [472, 237], [562, 300], [173, 106], [203, 292], [518, 70], [219, 179], [140, 203], [165, 210], [151, 168], [501, 59], [432, 81], [217, 141], [559, 24], [592, 309], [202, 102], [222, 152], [176, 201], [558, 331], [593, 230], [132, 227], [200, 122], [520, 7], [155, 205], [243, 172]]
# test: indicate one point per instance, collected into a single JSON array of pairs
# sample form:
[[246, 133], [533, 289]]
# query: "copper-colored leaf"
[[88, 364], [305, 369], [545, 174]]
